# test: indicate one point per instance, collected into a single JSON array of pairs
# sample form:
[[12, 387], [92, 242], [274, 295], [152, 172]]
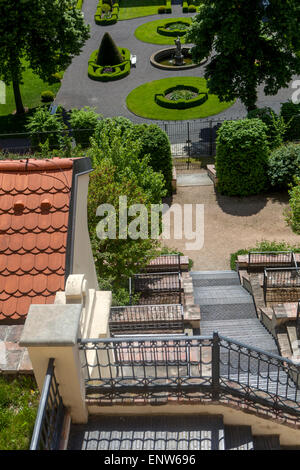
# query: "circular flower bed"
[[181, 97], [173, 28], [148, 32], [142, 100], [109, 72]]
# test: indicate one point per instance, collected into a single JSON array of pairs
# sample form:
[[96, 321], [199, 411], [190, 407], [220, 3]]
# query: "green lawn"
[[147, 32], [31, 96], [141, 100], [19, 399], [136, 8]]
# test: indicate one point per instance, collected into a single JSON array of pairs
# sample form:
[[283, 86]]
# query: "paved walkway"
[[109, 98]]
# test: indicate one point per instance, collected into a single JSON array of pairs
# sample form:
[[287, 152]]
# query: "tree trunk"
[[18, 98]]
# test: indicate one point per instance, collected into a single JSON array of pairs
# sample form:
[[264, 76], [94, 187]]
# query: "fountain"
[[174, 59]]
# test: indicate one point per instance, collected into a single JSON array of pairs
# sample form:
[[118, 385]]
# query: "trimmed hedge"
[[106, 21], [167, 8], [161, 100], [185, 7], [95, 72], [175, 32], [242, 157]]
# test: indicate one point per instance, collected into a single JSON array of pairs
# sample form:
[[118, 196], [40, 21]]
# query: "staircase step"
[[227, 312], [238, 438], [266, 442], [215, 278], [200, 432]]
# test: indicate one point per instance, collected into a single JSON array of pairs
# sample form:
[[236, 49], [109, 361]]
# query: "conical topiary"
[[108, 53]]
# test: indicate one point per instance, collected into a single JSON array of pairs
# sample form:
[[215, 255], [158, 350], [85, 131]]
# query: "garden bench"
[[133, 59]]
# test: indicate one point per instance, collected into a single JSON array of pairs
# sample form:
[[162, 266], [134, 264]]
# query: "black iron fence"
[[272, 258], [156, 288], [190, 366], [50, 415], [145, 318]]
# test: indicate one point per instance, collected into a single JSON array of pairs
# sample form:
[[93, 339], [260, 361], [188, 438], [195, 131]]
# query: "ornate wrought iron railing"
[[146, 318], [189, 367], [50, 415]]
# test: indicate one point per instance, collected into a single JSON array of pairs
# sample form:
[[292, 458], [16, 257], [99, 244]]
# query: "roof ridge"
[[33, 164]]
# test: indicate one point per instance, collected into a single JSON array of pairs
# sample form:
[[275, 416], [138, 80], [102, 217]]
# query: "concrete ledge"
[[50, 325], [211, 171]]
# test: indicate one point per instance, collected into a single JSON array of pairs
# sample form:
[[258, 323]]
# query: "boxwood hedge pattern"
[[106, 21], [161, 100], [95, 71], [174, 32]]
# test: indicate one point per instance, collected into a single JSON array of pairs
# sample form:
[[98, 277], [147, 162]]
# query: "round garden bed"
[[173, 28], [181, 97], [109, 72], [142, 101], [148, 32]]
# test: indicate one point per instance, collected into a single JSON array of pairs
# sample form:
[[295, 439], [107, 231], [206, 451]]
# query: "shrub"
[[185, 7], [275, 125], [161, 10], [83, 122], [290, 113], [97, 72], [163, 30], [155, 142], [47, 96], [180, 103], [283, 165], [242, 157], [44, 126], [293, 215], [192, 9], [108, 53]]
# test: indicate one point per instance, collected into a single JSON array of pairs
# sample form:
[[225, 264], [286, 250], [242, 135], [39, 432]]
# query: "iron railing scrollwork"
[[50, 415], [189, 366]]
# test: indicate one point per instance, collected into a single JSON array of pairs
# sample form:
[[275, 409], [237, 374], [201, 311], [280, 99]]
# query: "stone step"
[[238, 438], [197, 432], [215, 278], [266, 442], [227, 312]]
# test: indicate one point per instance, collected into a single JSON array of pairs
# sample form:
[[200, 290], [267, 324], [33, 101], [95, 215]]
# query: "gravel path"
[[109, 98]]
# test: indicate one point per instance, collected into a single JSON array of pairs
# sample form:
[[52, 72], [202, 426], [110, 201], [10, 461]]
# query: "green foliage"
[[248, 45], [111, 144], [47, 96], [18, 407], [47, 34], [173, 28], [108, 73], [155, 143], [293, 215], [178, 100], [44, 126], [275, 125], [283, 165], [116, 259], [242, 156], [83, 122], [185, 7], [290, 113], [108, 53]]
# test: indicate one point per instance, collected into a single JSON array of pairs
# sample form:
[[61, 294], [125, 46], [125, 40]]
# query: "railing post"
[[215, 366], [51, 331]]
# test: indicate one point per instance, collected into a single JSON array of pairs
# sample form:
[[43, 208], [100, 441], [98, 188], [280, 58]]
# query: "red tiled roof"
[[34, 213]]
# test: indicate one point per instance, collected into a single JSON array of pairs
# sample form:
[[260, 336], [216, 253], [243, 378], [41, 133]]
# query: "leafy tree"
[[83, 122], [250, 42], [117, 258], [45, 34], [118, 146], [45, 127]]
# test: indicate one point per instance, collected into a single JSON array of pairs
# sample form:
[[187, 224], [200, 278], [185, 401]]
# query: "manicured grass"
[[147, 32], [30, 91], [141, 100], [19, 399], [130, 9]]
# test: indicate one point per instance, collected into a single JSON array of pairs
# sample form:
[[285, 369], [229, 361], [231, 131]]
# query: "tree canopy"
[[248, 42], [44, 35]]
